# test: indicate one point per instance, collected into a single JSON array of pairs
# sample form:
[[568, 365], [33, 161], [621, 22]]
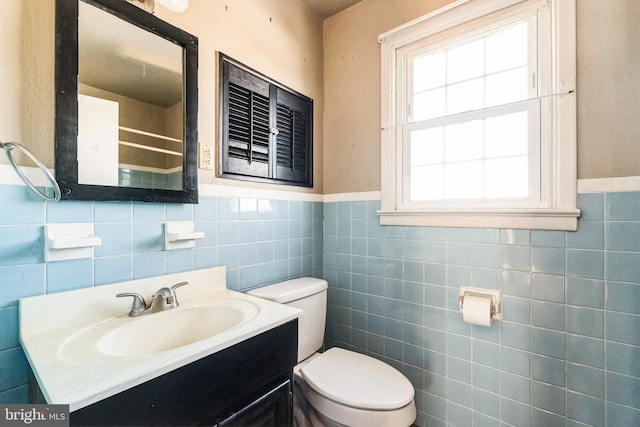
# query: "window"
[[266, 129], [478, 117]]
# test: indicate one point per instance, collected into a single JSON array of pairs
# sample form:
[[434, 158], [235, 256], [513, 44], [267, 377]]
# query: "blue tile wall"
[[568, 350], [566, 354], [260, 241]]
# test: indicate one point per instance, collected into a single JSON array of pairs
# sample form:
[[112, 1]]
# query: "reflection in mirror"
[[133, 104], [129, 104]]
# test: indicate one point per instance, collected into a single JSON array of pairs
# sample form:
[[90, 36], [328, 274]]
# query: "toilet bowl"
[[338, 387], [345, 388]]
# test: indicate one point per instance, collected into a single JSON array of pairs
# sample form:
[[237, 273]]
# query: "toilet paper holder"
[[495, 295]]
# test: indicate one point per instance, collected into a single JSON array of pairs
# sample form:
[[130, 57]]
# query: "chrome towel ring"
[[8, 147]]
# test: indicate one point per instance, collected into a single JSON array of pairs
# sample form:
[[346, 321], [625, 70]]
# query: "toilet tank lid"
[[290, 290]]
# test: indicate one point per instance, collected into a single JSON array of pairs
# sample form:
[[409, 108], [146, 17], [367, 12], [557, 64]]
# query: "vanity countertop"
[[58, 334]]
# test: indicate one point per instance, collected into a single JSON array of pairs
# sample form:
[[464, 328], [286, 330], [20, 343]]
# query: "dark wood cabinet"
[[272, 409], [266, 129], [249, 383]]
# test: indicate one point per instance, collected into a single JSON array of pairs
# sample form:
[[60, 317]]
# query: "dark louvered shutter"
[[293, 124], [267, 130], [246, 126]]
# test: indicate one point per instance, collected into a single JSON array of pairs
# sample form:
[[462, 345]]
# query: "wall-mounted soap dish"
[[69, 241], [180, 235]]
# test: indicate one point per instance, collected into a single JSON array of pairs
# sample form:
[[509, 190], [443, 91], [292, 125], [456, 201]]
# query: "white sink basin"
[[159, 332], [150, 334]]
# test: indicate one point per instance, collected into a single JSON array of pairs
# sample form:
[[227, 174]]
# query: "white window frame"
[[556, 80]]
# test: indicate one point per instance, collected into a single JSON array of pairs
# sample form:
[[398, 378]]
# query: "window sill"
[[545, 219]]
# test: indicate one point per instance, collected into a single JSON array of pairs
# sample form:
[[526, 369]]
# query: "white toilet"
[[338, 387]]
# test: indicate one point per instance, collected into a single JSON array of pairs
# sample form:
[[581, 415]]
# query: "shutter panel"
[[246, 136], [293, 121]]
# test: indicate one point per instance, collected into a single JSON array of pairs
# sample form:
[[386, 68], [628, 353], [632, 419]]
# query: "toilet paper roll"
[[476, 310]]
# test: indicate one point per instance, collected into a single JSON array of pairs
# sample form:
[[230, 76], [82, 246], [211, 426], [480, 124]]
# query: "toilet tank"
[[309, 295]]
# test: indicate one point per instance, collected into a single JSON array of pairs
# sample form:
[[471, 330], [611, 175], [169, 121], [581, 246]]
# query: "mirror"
[[126, 104]]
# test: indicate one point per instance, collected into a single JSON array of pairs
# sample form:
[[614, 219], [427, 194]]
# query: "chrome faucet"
[[164, 299]]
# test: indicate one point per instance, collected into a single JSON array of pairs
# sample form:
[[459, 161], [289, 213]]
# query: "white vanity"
[[219, 354]]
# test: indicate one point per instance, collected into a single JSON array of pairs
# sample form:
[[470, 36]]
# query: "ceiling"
[[326, 8]]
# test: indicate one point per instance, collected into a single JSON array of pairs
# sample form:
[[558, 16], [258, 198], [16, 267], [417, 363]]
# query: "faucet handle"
[[174, 297], [177, 285], [139, 304]]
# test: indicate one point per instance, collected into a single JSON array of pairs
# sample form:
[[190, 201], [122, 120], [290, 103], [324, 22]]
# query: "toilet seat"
[[358, 381]]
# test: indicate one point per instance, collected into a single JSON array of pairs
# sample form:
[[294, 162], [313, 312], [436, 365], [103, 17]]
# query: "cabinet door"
[[272, 409], [246, 129], [294, 132]]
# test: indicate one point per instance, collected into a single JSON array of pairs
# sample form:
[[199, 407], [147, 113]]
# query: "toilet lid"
[[357, 380]]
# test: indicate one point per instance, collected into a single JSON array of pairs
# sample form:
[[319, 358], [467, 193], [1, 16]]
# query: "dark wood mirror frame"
[[66, 120]]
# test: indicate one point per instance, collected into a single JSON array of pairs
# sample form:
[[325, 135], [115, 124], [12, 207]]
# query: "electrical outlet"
[[206, 156]]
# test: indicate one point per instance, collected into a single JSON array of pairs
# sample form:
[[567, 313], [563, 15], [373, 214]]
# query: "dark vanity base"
[[249, 383]]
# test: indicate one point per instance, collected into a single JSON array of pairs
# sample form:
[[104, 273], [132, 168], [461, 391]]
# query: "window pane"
[[480, 158], [427, 183], [465, 62], [427, 146], [465, 96], [506, 87], [463, 141], [463, 180], [506, 135], [506, 178], [507, 48], [429, 71], [428, 105]]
